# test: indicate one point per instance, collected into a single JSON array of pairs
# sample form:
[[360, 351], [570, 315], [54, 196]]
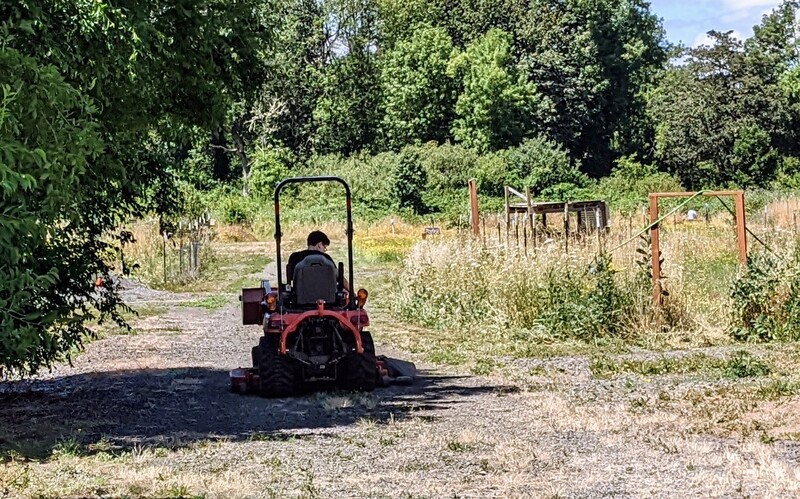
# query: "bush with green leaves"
[[52, 215], [543, 164], [269, 166], [742, 364], [631, 183], [410, 181], [371, 180], [494, 172], [227, 204], [766, 298], [447, 166]]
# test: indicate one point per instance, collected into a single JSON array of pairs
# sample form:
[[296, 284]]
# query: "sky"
[[687, 21]]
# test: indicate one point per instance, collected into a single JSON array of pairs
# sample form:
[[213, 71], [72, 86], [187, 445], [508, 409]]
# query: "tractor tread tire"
[[360, 370], [278, 374]]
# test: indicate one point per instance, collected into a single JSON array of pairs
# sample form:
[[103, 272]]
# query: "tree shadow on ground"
[[177, 407]]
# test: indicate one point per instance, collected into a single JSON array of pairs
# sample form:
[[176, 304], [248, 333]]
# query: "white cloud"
[[748, 4], [737, 15], [704, 39]]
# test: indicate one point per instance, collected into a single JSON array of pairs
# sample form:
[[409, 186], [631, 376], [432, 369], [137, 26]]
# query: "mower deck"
[[388, 371]]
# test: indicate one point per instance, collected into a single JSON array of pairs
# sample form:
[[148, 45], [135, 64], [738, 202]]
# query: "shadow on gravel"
[[176, 407]]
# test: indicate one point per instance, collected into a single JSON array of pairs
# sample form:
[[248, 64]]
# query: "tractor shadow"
[[178, 407]]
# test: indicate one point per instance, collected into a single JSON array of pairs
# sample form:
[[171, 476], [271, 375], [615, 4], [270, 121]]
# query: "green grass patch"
[[447, 356], [778, 388], [607, 367], [741, 364], [210, 303], [229, 273], [147, 310], [484, 366], [744, 365]]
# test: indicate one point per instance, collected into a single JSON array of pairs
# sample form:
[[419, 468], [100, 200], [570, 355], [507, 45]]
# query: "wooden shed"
[[590, 215]]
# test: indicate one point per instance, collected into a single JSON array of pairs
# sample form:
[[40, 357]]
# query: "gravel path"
[[159, 398]]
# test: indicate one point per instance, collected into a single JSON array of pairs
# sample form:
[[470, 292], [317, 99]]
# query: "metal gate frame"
[[741, 230]]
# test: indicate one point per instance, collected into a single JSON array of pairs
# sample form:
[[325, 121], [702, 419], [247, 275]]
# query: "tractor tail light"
[[361, 297], [272, 302], [360, 320]]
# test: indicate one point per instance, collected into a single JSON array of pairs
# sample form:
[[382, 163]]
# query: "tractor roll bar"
[[349, 230]]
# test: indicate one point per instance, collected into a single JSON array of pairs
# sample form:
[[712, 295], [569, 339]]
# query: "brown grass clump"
[[235, 234]]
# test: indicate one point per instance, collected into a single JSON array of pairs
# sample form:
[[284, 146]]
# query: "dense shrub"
[[543, 164], [227, 204], [410, 180], [371, 180], [766, 298], [494, 171], [269, 166], [631, 182], [447, 166]]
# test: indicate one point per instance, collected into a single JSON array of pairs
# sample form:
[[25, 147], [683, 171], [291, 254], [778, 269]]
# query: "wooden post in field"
[[164, 255], [508, 217], [473, 208], [525, 236], [597, 229], [566, 227], [741, 228], [655, 250], [794, 222], [531, 218], [516, 231]]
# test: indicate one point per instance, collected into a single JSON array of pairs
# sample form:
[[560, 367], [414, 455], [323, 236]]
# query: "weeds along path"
[[149, 415]]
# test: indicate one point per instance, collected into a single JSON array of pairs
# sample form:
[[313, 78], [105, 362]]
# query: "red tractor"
[[314, 329]]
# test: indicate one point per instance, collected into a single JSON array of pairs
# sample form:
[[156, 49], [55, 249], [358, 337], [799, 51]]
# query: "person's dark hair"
[[316, 237]]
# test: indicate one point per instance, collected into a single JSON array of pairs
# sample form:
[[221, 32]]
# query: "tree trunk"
[[240, 150], [222, 161]]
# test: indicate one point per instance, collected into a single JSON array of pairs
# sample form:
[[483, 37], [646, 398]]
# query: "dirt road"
[[149, 415]]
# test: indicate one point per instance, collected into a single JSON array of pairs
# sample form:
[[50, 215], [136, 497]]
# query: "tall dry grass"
[[562, 290], [160, 263]]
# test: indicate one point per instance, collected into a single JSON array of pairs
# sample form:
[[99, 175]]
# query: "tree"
[[418, 94], [593, 61], [774, 52], [347, 112], [399, 19], [717, 117], [410, 180], [297, 66], [497, 105], [87, 89]]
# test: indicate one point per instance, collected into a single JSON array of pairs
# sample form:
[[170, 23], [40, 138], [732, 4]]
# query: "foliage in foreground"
[[93, 99], [766, 298]]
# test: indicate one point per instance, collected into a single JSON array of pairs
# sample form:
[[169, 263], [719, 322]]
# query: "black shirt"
[[299, 256]]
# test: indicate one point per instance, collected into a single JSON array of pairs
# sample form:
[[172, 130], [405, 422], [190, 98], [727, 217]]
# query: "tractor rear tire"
[[360, 371], [278, 374]]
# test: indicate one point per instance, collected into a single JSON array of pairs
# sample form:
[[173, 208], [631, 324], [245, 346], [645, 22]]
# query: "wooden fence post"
[[655, 249], [473, 206]]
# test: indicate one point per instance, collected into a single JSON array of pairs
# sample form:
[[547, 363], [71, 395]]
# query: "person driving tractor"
[[318, 243]]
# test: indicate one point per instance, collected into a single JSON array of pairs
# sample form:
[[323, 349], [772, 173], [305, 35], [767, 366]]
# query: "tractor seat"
[[314, 279]]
